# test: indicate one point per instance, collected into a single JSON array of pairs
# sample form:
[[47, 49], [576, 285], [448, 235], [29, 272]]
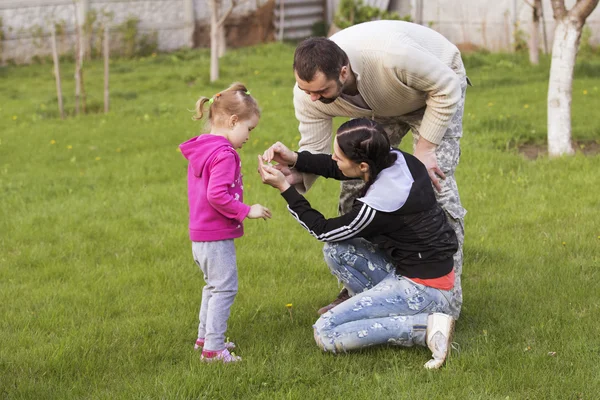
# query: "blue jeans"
[[386, 307]]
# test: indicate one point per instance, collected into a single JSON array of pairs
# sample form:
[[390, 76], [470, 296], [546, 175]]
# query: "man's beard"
[[329, 100]]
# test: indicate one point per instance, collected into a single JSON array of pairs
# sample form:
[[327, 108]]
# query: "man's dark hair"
[[319, 54]]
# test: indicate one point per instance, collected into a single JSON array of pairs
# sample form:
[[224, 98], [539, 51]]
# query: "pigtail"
[[200, 108]]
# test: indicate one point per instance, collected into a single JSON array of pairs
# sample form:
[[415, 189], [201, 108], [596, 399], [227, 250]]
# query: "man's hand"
[[278, 152], [272, 176], [425, 152], [258, 211], [291, 175]]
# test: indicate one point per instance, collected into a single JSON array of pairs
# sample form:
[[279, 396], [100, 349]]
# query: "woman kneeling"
[[393, 251]]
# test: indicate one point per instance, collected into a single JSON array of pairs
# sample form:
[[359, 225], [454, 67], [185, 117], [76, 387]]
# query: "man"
[[402, 75]]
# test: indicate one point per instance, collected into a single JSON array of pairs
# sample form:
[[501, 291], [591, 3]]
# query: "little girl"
[[217, 211]]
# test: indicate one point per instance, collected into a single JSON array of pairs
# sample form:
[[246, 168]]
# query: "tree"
[[217, 32], [567, 33]]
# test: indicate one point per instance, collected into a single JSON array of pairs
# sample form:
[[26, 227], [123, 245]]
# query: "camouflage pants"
[[448, 155]]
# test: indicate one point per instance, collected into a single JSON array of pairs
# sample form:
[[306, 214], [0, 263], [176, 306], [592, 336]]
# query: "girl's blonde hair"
[[235, 100]]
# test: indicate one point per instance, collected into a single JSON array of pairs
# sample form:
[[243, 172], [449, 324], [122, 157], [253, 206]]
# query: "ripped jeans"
[[386, 307]]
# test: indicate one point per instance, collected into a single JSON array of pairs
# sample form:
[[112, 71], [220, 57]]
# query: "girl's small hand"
[[259, 211], [272, 176], [278, 152]]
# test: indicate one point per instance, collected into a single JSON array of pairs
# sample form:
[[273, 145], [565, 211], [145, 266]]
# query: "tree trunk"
[[534, 37], [222, 43], [564, 52], [569, 24], [214, 42]]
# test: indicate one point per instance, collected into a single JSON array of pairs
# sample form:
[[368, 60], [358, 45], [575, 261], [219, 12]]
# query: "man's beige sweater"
[[400, 67]]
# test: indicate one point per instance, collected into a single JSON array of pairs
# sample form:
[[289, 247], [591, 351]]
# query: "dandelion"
[[98, 158], [490, 104], [118, 150], [564, 243], [256, 72], [289, 308], [53, 141], [584, 91], [14, 117], [69, 147], [526, 106]]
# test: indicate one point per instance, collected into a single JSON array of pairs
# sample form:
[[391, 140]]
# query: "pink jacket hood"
[[200, 149]]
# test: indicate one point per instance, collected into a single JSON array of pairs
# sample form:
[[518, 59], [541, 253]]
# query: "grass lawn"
[[99, 294]]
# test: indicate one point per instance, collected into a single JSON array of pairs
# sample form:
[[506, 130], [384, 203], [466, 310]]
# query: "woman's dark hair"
[[319, 54], [364, 140]]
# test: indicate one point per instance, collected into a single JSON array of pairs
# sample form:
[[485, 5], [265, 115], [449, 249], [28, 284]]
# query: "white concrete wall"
[[485, 23], [490, 24], [22, 20]]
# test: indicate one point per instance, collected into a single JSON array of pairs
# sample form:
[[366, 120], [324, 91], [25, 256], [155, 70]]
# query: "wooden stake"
[[106, 59], [77, 71], [281, 19], [57, 74]]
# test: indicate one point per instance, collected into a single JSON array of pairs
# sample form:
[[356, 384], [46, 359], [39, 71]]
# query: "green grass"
[[99, 293]]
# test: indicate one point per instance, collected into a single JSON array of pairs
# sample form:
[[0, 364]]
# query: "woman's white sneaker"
[[440, 328]]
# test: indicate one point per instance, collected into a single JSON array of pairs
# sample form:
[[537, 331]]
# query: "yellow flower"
[[526, 106], [98, 158], [53, 141], [256, 72], [585, 92], [490, 104], [118, 150], [153, 54], [69, 147], [14, 117], [564, 243], [289, 305]]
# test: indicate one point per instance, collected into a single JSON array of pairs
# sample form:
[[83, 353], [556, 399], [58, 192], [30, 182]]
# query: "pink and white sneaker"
[[200, 344], [219, 356]]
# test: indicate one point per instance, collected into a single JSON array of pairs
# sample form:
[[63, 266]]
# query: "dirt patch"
[[468, 47], [246, 30], [533, 151]]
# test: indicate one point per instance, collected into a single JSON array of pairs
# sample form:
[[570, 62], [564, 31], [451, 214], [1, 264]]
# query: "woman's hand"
[[278, 152], [272, 176], [259, 211]]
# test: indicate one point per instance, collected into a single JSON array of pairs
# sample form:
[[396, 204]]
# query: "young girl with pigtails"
[[217, 210]]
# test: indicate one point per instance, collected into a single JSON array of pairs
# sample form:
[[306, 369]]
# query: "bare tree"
[[217, 32], [217, 35], [567, 33]]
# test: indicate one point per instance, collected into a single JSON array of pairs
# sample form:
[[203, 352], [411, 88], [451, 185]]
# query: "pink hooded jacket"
[[215, 189]]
